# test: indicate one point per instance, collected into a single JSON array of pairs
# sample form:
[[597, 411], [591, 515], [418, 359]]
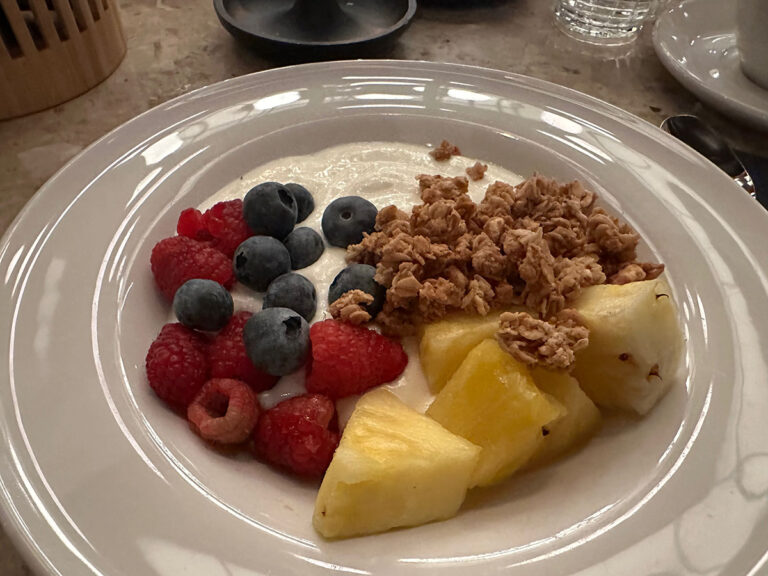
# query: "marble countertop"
[[178, 45]]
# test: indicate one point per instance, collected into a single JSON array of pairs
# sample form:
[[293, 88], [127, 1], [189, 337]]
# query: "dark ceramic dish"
[[316, 29]]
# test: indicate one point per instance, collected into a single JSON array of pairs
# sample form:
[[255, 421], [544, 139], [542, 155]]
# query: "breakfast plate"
[[696, 41], [97, 477]]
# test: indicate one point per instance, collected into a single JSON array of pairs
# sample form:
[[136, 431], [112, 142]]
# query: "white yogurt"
[[382, 172]]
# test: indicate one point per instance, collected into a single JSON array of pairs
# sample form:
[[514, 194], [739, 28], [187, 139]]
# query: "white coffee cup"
[[752, 39]]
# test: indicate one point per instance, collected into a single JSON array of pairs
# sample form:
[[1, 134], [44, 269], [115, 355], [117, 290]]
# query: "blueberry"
[[305, 246], [358, 277], [304, 201], [270, 209], [259, 260], [345, 219], [276, 340], [292, 291], [203, 305]]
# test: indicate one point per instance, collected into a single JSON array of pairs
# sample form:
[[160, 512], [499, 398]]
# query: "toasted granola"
[[434, 188], [537, 244], [350, 307], [550, 344], [635, 272], [477, 171], [445, 151]]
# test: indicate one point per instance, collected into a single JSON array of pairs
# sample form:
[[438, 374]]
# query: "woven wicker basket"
[[54, 50]]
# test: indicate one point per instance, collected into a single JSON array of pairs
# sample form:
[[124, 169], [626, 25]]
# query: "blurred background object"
[[751, 21], [308, 30], [707, 142], [697, 42], [606, 22], [54, 50]]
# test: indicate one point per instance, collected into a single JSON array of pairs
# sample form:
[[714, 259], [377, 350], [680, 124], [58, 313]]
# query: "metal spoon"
[[702, 138]]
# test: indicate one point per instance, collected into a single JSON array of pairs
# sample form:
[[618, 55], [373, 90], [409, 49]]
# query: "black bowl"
[[316, 29]]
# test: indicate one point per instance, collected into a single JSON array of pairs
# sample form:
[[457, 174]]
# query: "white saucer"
[[696, 41]]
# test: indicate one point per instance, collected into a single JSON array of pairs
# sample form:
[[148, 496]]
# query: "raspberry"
[[227, 357], [225, 411], [224, 222], [192, 225], [350, 359], [178, 259], [176, 364], [298, 434]]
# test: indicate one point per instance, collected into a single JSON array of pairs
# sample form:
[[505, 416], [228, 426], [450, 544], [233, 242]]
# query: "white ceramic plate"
[[97, 477], [696, 41]]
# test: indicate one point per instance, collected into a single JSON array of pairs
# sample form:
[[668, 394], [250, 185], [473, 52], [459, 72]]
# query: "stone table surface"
[[175, 46]]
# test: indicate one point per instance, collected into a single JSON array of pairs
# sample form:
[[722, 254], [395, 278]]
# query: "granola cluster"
[[444, 151], [477, 171], [537, 245], [549, 343], [350, 307]]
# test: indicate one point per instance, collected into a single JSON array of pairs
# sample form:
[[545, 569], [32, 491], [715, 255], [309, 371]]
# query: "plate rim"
[[616, 111]]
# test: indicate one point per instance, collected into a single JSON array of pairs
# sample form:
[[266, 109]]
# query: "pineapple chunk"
[[635, 344], [393, 467], [492, 401], [580, 422], [446, 343]]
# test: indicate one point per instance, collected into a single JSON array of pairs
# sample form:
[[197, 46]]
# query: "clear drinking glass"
[[604, 22]]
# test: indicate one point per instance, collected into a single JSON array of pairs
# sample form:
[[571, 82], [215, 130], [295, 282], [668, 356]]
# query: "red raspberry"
[[178, 259], [298, 435], [225, 411], [224, 221], [228, 359], [349, 359], [176, 364], [192, 225]]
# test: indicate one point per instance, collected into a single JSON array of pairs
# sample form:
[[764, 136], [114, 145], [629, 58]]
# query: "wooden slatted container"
[[54, 50]]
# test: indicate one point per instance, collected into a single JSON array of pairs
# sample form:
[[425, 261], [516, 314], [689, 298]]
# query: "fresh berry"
[[259, 260], [305, 246], [305, 204], [346, 219], [358, 277], [228, 359], [176, 364], [224, 222], [222, 226], [292, 291], [270, 209], [349, 359], [203, 304], [298, 435], [178, 259], [225, 411], [192, 225], [277, 340]]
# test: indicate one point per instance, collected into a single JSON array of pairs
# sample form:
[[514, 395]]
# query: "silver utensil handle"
[[745, 181]]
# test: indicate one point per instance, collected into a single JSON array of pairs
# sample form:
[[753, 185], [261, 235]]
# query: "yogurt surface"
[[381, 172]]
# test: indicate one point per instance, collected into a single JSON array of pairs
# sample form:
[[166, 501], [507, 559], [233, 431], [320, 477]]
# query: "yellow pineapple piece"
[[635, 344], [492, 401], [394, 467], [446, 343], [581, 420]]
